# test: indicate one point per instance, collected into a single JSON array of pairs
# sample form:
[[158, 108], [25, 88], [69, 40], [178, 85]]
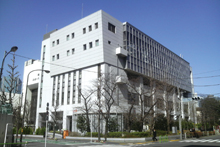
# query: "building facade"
[[77, 54]]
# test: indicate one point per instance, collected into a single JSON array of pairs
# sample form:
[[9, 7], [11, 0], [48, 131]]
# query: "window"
[[84, 30], [111, 27], [67, 37], [90, 28], [73, 50], [96, 25], [53, 44], [44, 48], [58, 41], [97, 43], [57, 101], [90, 44], [62, 100], [58, 56], [68, 52], [73, 35], [53, 58], [84, 47], [109, 42]]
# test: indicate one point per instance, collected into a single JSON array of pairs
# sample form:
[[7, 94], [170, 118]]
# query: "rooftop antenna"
[[82, 10]]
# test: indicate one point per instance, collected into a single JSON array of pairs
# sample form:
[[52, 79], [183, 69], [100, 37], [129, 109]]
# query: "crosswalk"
[[202, 140]]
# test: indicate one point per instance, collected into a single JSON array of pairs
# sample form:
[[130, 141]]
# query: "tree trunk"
[[87, 122], [53, 130], [168, 122], [106, 129], [99, 126], [129, 124], [16, 132]]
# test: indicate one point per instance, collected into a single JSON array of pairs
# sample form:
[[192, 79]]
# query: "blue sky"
[[187, 27]]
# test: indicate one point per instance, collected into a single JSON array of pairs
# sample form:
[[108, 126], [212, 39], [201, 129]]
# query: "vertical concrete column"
[[165, 101], [174, 104], [141, 86], [64, 120], [182, 106], [37, 121], [189, 110]]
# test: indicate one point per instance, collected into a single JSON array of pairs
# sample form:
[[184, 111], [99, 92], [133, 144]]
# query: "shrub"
[[94, 134], [14, 130], [37, 131], [40, 131], [136, 134], [74, 134], [115, 134], [161, 133]]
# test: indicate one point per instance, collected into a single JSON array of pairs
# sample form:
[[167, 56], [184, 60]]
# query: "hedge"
[[40, 131], [126, 134], [26, 130]]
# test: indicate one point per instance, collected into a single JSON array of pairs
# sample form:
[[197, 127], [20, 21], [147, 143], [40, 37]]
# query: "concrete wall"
[[5, 118]]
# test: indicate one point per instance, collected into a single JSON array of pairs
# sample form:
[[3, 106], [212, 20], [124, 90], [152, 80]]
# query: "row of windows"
[[90, 27], [68, 36], [72, 35], [149, 57], [55, 93], [69, 52], [90, 45]]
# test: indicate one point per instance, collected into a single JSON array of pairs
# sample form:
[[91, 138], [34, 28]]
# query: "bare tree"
[[106, 94], [55, 116], [86, 96], [128, 113], [27, 112], [143, 96], [3, 97], [166, 101], [109, 92], [12, 84], [17, 118]]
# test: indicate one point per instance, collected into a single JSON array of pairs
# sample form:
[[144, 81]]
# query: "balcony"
[[121, 52]]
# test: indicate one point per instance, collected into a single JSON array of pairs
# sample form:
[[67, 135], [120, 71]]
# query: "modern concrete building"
[[77, 54]]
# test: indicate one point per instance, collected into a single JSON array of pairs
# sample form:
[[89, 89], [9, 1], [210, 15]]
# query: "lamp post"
[[13, 49], [47, 71]]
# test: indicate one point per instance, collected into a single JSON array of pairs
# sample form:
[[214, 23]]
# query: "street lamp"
[[47, 71], [13, 49]]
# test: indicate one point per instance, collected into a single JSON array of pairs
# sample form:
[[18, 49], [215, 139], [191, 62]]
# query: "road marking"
[[202, 140]]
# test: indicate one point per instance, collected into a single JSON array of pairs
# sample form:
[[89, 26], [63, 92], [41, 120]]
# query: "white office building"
[[77, 54]]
